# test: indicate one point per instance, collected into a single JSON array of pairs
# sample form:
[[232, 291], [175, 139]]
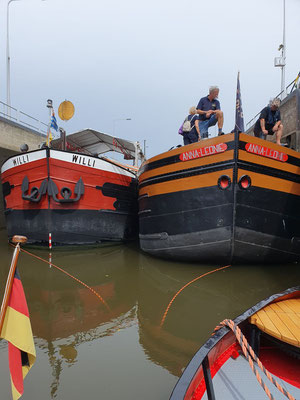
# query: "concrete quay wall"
[[12, 136], [290, 116]]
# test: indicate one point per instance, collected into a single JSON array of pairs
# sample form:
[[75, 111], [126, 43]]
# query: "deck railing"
[[295, 84], [20, 117]]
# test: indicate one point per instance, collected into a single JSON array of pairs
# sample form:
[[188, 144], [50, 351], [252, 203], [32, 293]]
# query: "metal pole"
[[283, 90], [18, 240], [137, 146], [7, 62], [49, 106]]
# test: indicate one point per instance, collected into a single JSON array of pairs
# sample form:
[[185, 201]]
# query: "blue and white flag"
[[239, 116], [53, 122]]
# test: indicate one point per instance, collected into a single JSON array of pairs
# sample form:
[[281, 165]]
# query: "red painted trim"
[[221, 359], [281, 365], [24, 168], [266, 152], [203, 152]]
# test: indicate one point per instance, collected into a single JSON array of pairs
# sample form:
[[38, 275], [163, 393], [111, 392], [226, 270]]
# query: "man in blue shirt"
[[210, 113], [269, 122]]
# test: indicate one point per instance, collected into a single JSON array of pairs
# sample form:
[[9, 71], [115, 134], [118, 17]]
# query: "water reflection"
[[122, 352], [198, 308], [64, 314]]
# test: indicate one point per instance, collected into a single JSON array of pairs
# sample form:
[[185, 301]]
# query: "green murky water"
[[88, 350]]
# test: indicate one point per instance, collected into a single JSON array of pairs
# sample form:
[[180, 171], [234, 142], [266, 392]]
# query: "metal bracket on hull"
[[66, 192], [35, 193], [154, 236]]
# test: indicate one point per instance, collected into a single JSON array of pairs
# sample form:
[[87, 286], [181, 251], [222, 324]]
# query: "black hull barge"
[[233, 198]]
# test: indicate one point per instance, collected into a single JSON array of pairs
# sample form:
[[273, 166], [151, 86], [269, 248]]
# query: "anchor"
[[35, 193], [66, 192]]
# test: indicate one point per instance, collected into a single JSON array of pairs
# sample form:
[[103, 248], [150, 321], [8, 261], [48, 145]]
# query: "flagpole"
[[283, 89], [10, 278], [49, 105]]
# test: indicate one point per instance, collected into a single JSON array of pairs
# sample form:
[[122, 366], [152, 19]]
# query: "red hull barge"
[[77, 197]]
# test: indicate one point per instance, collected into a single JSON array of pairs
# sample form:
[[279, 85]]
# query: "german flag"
[[17, 331]]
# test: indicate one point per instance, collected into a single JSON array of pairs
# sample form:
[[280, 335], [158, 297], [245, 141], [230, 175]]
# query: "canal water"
[[129, 345]]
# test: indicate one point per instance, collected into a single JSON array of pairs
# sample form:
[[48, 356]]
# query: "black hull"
[[248, 233], [80, 226], [197, 247], [259, 223]]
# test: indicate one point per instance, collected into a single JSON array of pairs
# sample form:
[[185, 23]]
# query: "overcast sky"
[[145, 60]]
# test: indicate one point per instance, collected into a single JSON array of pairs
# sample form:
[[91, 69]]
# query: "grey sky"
[[149, 61]]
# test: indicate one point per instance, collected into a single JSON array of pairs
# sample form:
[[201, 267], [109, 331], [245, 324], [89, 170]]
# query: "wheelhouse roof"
[[92, 142]]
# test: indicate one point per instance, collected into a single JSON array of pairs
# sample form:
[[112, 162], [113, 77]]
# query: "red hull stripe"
[[17, 299], [23, 159], [231, 351], [15, 366]]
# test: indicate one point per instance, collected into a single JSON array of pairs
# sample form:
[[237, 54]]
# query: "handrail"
[[37, 124], [27, 115], [294, 83]]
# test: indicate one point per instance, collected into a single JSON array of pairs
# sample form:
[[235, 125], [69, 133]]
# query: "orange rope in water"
[[251, 356], [71, 276], [183, 287]]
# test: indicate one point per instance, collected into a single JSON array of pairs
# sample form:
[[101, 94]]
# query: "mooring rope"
[[67, 273], [251, 356], [183, 287]]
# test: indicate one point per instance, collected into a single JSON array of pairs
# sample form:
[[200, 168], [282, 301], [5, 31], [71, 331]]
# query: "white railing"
[[295, 84], [15, 115]]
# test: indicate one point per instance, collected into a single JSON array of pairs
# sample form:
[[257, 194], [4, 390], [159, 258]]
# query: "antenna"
[[280, 61]]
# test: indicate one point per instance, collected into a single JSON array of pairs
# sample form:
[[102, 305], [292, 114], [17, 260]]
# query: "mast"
[[283, 91], [280, 61]]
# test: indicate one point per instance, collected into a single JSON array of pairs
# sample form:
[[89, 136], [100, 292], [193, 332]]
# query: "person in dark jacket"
[[194, 134], [269, 122]]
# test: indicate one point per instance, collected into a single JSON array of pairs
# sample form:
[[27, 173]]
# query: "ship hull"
[[77, 198], [222, 200]]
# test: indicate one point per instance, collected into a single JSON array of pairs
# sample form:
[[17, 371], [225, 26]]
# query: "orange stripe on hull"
[[267, 162], [181, 166], [192, 182], [270, 182]]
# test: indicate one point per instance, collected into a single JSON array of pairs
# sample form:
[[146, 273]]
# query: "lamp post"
[[118, 119], [8, 61]]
